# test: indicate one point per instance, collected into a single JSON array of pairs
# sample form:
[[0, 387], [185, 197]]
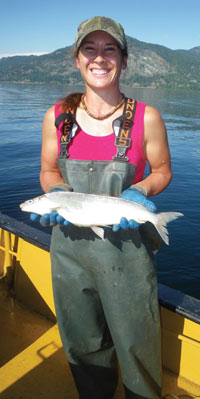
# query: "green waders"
[[106, 295]]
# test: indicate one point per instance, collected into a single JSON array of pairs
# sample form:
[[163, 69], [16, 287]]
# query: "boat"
[[32, 361]]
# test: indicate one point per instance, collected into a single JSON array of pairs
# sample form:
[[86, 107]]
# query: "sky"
[[43, 26]]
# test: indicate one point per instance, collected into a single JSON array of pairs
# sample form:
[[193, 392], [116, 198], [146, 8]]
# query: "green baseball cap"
[[104, 24]]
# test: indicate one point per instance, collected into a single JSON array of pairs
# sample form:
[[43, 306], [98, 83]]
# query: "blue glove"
[[132, 194], [50, 219]]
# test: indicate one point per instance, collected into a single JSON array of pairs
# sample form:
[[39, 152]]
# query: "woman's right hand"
[[52, 218], [49, 219]]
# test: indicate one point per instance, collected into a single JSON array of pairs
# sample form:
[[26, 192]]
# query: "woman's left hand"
[[132, 194]]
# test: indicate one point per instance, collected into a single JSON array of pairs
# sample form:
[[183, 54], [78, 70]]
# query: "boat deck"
[[33, 363]]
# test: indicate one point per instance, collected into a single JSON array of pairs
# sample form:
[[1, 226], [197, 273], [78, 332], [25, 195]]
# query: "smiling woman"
[[105, 292], [100, 61]]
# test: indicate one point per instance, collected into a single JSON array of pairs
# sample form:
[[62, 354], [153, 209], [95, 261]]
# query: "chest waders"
[[106, 291]]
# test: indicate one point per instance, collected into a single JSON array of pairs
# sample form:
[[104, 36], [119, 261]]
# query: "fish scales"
[[89, 209], [96, 211]]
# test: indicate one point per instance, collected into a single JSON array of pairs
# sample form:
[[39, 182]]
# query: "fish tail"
[[99, 231], [163, 219]]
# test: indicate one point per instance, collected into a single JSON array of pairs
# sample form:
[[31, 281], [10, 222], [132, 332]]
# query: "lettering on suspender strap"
[[69, 130], [122, 128]]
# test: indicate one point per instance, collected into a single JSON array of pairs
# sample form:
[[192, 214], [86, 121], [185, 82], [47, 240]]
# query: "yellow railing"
[[8, 251]]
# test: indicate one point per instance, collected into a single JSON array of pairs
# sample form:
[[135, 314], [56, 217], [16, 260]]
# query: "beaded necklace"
[[104, 116]]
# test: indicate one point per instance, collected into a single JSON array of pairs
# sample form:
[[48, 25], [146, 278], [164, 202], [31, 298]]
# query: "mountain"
[[149, 65]]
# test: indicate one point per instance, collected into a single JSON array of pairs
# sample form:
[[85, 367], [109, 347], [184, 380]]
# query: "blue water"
[[22, 108]]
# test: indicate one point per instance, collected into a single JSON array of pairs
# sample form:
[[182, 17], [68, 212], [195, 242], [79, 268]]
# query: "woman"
[[105, 291]]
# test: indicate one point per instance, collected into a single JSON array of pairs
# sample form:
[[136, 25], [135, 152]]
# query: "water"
[[22, 108]]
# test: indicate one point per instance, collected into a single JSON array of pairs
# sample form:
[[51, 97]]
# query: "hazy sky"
[[45, 25]]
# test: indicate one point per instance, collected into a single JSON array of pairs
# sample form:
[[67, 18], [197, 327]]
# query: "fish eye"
[[29, 202]]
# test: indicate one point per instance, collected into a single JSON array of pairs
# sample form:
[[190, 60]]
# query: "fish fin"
[[99, 231], [64, 213], [163, 219]]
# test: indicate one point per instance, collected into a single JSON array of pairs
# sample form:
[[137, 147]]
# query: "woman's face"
[[100, 60]]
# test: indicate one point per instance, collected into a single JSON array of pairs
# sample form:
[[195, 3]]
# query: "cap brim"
[[82, 37]]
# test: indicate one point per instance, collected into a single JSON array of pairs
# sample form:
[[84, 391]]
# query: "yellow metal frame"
[[8, 250], [35, 262], [181, 350]]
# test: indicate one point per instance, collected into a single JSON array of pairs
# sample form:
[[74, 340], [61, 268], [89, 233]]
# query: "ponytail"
[[71, 101]]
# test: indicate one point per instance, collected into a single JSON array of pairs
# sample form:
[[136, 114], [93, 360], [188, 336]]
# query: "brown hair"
[[70, 101]]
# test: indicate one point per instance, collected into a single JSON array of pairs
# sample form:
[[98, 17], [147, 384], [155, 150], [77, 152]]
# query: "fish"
[[97, 211]]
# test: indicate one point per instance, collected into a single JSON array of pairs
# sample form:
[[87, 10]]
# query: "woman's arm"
[[157, 153], [50, 174]]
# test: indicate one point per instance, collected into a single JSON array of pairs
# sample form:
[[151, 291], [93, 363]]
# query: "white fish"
[[91, 210]]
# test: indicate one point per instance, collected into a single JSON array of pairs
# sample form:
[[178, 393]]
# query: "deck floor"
[[32, 361]]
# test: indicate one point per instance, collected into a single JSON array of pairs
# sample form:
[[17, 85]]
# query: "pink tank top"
[[86, 147]]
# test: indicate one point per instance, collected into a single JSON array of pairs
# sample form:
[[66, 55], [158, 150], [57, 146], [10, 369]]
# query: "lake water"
[[22, 108]]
